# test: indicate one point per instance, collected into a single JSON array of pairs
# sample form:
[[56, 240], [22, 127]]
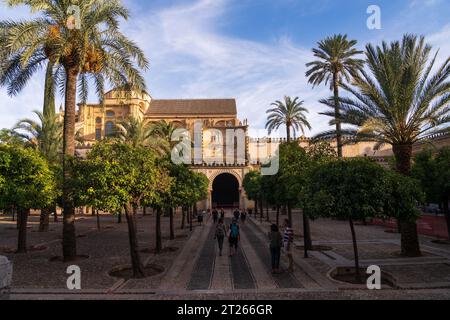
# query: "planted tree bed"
[[127, 272], [348, 275]]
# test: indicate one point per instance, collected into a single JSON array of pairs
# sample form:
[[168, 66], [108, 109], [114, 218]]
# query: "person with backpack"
[[220, 235], [276, 242], [234, 237]]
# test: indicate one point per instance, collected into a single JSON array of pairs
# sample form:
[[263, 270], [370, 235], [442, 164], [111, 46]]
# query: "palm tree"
[[290, 113], [140, 133], [336, 62], [163, 130], [92, 49], [44, 135], [399, 103]]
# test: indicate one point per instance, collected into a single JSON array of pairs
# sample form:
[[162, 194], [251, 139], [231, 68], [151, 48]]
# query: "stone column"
[[210, 204], [6, 269]]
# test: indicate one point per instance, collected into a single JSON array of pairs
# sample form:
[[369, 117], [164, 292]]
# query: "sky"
[[251, 50]]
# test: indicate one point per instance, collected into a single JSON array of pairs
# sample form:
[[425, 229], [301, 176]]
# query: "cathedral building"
[[226, 152]]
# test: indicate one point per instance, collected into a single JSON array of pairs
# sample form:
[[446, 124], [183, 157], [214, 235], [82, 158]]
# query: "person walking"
[[276, 242], [236, 214], [200, 217], [243, 216], [234, 237], [288, 240], [222, 214], [215, 215], [220, 235]]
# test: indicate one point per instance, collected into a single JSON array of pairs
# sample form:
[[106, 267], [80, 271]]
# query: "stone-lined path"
[[249, 269]]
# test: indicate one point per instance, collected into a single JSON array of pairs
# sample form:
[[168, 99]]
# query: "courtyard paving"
[[194, 270]]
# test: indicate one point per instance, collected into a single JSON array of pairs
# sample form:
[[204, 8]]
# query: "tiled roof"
[[193, 107]]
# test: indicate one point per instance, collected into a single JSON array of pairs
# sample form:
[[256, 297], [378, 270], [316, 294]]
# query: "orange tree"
[[117, 176], [346, 190], [26, 182]]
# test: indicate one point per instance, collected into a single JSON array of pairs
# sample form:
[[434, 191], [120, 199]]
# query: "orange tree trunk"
[[172, 231], [44, 220], [137, 266], [69, 237], [158, 231], [307, 234], [408, 229], [355, 251], [22, 238]]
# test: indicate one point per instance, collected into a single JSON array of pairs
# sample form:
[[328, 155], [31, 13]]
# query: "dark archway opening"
[[225, 191]]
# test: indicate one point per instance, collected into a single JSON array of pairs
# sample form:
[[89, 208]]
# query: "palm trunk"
[[172, 231], [49, 97], [409, 236], [119, 217], [55, 214], [137, 266], [307, 235], [158, 231], [256, 207], [288, 132], [337, 116], [144, 211], [44, 220], [22, 238], [69, 235], [267, 213], [355, 251]]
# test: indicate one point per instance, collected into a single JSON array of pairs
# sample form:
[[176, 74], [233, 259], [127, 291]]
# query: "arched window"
[[109, 129], [110, 114]]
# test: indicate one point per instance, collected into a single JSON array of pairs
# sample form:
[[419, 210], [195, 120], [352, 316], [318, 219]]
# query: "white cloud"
[[184, 42]]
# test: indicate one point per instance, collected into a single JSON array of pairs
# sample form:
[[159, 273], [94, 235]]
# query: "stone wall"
[[6, 270]]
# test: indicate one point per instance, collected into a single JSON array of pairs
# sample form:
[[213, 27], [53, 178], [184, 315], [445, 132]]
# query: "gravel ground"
[[106, 249]]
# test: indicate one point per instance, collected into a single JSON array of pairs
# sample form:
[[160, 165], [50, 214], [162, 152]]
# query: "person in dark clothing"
[[236, 214], [243, 216], [234, 237], [215, 215], [222, 214], [276, 242], [220, 235]]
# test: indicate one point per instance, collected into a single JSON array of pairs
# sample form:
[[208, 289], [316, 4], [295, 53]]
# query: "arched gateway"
[[225, 191], [225, 188]]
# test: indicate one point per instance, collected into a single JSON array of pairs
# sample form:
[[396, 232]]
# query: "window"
[[98, 134], [98, 120], [109, 129], [110, 114]]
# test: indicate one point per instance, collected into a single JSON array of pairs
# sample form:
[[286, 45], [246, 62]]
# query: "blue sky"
[[251, 50]]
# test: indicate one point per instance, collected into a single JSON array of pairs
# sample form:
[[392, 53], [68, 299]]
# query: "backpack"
[[220, 231], [234, 230]]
